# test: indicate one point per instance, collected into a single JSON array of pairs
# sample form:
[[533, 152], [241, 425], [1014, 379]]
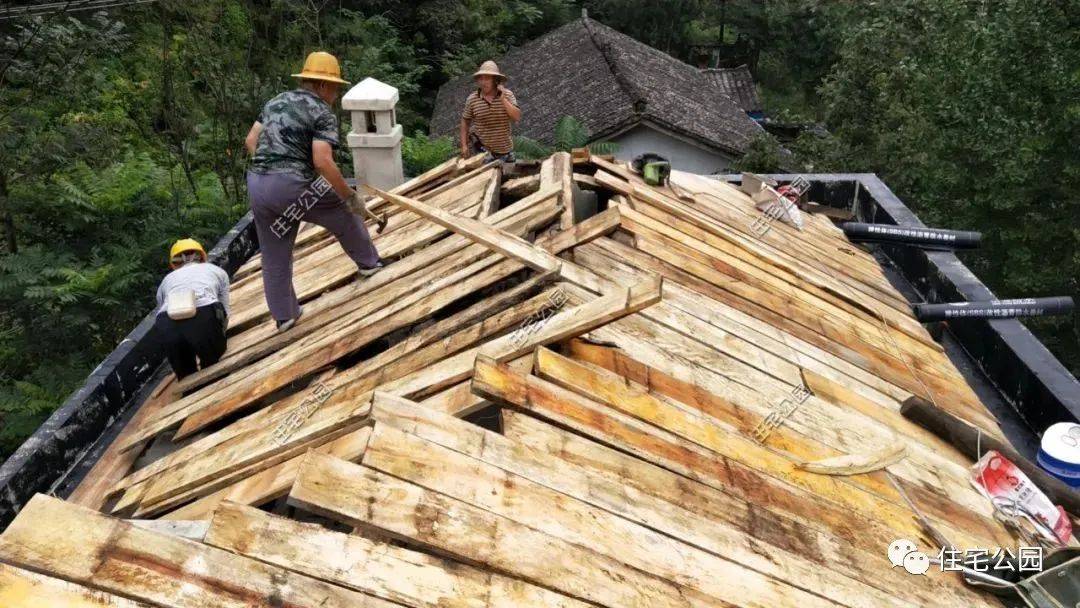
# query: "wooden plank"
[[578, 320], [361, 496], [521, 186], [184, 528], [498, 240], [349, 333], [559, 515], [705, 428], [820, 293], [686, 457], [377, 568], [400, 368], [411, 302], [90, 549], [787, 551], [272, 483], [825, 427], [489, 202], [24, 589], [685, 386], [243, 457], [867, 352], [840, 540], [330, 307], [329, 267], [716, 235], [459, 400], [562, 175], [94, 490]]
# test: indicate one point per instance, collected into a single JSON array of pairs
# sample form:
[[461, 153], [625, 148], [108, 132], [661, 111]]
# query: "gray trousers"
[[279, 201]]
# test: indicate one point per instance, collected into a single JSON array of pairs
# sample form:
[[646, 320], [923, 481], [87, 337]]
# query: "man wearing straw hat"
[[489, 112], [293, 176]]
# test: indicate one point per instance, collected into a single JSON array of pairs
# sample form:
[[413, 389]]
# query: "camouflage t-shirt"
[[290, 122]]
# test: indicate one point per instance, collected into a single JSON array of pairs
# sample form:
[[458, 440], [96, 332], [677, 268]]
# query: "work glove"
[[357, 203]]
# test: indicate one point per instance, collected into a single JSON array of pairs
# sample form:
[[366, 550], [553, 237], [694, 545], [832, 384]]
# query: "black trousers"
[[201, 336]]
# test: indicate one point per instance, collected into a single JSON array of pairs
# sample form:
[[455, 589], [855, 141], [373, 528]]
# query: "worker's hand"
[[357, 203], [500, 89]]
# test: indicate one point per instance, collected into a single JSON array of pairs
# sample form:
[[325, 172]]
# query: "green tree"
[[943, 99]]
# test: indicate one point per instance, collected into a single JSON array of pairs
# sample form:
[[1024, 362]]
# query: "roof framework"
[[630, 359]]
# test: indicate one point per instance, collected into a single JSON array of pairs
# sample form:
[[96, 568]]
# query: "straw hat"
[[321, 65], [488, 68]]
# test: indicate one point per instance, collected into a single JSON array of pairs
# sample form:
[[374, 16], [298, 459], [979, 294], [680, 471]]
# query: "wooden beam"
[[521, 186], [271, 483], [361, 496], [835, 539], [575, 321], [24, 589], [801, 565], [112, 555], [94, 490], [688, 458], [561, 175], [498, 240], [558, 515], [377, 568], [489, 202]]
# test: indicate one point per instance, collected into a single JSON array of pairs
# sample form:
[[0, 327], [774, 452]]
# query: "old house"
[[622, 91]]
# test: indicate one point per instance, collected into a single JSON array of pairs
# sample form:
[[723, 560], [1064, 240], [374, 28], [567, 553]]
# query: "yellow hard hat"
[[321, 65], [183, 246]]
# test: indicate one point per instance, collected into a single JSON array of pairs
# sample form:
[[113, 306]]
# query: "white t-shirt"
[[209, 282]]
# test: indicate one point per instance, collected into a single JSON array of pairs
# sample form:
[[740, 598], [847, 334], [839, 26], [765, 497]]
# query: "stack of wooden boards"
[[631, 360]]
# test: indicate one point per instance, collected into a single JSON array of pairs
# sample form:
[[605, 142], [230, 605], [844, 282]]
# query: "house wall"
[[684, 155]]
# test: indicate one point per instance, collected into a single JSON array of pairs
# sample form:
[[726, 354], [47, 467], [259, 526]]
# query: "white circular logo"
[[899, 549], [916, 562]]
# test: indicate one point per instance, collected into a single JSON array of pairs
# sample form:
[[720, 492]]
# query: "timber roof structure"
[[629, 359], [610, 82]]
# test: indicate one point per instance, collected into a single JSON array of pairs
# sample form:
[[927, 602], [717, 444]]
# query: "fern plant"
[[570, 133], [420, 152]]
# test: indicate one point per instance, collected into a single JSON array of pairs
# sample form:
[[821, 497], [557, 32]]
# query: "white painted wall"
[[684, 155]]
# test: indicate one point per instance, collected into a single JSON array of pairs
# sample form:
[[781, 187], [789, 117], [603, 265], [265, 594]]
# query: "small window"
[[370, 116]]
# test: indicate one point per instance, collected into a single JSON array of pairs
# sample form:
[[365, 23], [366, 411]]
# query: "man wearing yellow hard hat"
[[293, 176], [193, 309]]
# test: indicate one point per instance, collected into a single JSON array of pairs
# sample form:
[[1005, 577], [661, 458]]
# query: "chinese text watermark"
[[781, 412]]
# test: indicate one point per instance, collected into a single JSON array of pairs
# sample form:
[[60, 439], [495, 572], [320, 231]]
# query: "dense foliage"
[[121, 131]]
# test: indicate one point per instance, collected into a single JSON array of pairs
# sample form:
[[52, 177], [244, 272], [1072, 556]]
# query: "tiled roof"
[[609, 82], [738, 85]]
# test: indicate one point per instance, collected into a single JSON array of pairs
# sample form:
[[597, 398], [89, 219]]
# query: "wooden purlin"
[[570, 322], [117, 557], [633, 356], [322, 349], [794, 561], [373, 567]]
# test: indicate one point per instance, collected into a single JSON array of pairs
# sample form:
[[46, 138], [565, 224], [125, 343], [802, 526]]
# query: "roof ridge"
[[637, 98]]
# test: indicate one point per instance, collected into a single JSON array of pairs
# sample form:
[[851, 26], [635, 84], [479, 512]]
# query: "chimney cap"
[[370, 94]]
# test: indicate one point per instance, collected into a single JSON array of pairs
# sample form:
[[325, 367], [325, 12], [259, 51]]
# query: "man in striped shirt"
[[489, 111]]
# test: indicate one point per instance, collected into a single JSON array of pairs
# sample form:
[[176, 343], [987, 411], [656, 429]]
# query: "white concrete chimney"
[[375, 138]]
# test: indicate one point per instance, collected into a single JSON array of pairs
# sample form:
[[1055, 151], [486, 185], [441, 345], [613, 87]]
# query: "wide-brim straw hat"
[[489, 68], [321, 65]]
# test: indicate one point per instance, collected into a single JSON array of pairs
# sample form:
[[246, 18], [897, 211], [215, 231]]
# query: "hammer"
[[359, 207], [380, 221]]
